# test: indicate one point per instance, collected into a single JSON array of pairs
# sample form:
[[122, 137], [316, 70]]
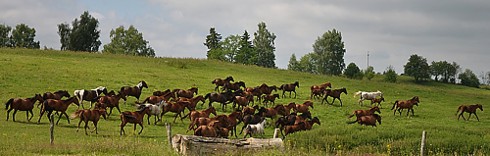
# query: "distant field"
[[26, 72]]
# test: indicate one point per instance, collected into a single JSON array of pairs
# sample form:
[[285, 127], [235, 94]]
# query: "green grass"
[[26, 72]]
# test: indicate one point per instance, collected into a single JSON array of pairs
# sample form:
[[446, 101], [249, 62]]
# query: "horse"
[[251, 119], [289, 106], [51, 105], [359, 113], [234, 86], [89, 95], [26, 104], [56, 95], [175, 107], [223, 98], [160, 93], [367, 120], [265, 89], [155, 110], [111, 102], [335, 94], [133, 117], [241, 101], [302, 108], [469, 109], [233, 119], [193, 101], [250, 110], [154, 99], [319, 89], [289, 88], [315, 92], [367, 95], [187, 93], [220, 82], [204, 113], [255, 129], [377, 100], [87, 115], [408, 104], [209, 130], [270, 97], [288, 129], [134, 91]]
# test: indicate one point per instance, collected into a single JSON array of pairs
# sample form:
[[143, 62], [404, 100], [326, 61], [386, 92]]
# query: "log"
[[197, 145]]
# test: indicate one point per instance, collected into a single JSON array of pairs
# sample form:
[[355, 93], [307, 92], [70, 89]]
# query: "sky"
[[390, 30]]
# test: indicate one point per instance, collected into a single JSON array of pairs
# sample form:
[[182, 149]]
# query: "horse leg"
[[141, 124], [95, 125], [32, 115], [149, 119], [468, 117], [79, 122], [294, 94], [15, 111], [119, 110], [122, 128], [412, 111], [40, 115], [85, 127], [476, 117], [8, 112], [340, 102]]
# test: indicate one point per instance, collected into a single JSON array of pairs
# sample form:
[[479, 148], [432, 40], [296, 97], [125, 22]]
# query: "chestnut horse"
[[220, 82], [289, 88], [270, 97], [26, 104], [367, 120], [134, 91], [187, 93], [302, 108], [469, 109], [377, 100], [87, 115], [176, 107], [51, 105], [318, 89], [359, 113], [234, 86], [111, 102], [241, 101], [155, 99], [335, 94], [405, 104], [204, 113], [56, 95], [193, 101], [133, 117]]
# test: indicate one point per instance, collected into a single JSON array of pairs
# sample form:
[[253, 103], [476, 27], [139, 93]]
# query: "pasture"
[[23, 73]]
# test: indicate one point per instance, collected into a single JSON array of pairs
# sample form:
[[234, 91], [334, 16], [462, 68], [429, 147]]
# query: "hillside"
[[26, 72]]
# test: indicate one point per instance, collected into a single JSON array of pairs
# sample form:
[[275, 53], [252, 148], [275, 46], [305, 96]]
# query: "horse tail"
[[9, 102], [351, 122], [459, 109], [76, 114], [394, 104], [357, 93], [350, 116]]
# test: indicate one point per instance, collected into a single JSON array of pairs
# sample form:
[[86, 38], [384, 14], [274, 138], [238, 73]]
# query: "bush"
[[390, 75]]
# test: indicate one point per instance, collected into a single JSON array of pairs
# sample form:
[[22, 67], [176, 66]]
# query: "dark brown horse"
[[18, 104], [367, 120], [241, 101], [56, 95], [111, 102], [133, 117], [87, 115], [134, 91], [270, 98], [223, 98], [187, 93], [335, 94], [289, 88], [51, 105], [289, 106], [405, 104], [359, 113], [265, 89], [160, 93], [377, 100], [469, 109], [234, 86], [176, 107], [220, 82]]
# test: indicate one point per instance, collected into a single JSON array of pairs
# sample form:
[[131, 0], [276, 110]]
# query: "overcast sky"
[[391, 30]]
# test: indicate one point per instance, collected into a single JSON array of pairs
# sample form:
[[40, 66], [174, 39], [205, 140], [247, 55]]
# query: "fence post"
[[51, 129], [169, 133], [422, 144], [276, 130]]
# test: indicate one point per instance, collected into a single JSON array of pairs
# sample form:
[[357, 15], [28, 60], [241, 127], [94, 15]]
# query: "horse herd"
[[289, 118]]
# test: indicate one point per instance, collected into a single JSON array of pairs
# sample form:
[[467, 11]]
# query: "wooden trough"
[[197, 145]]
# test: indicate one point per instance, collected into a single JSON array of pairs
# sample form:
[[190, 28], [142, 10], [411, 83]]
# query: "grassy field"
[[26, 72]]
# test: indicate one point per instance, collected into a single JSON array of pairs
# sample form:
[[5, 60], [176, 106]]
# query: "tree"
[[438, 69], [308, 63], [293, 63], [231, 47], [4, 35], [23, 36], [330, 51], [264, 47], [352, 71], [129, 42], [468, 78], [246, 53], [369, 73], [83, 36], [390, 74], [417, 67], [213, 44]]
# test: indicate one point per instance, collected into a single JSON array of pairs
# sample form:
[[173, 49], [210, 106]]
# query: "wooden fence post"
[[276, 130], [169, 133], [422, 144], [51, 129]]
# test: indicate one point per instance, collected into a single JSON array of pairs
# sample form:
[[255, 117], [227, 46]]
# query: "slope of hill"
[[25, 72]]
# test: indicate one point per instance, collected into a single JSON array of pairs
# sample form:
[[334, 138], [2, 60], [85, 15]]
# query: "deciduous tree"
[[129, 42], [417, 67], [83, 36], [4, 35], [330, 51]]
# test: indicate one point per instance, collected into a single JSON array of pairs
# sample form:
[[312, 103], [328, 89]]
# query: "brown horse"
[[220, 82], [234, 86], [187, 93], [302, 108], [111, 102], [335, 94], [204, 113], [405, 104], [265, 89], [241, 101], [223, 98], [359, 113], [469, 109], [160, 93], [289, 88], [56, 95], [367, 120], [270, 98], [133, 117], [87, 115], [377, 100], [51, 105], [134, 91], [289, 106], [233, 119], [176, 107], [318, 89], [250, 110], [155, 99], [26, 104], [193, 101], [209, 130]]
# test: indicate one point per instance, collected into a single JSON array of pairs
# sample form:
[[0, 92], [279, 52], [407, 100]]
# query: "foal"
[[133, 117], [470, 109]]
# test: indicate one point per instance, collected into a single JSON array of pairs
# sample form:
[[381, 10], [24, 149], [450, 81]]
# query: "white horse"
[[255, 129], [155, 110], [82, 94], [368, 95]]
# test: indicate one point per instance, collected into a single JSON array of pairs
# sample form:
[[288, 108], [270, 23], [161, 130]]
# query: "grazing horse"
[[111, 102], [134, 91], [87, 115], [89, 95], [51, 105], [469, 109], [335, 94], [405, 104], [220, 82], [367, 120], [133, 117], [56, 95], [359, 113], [302, 108], [26, 104], [223, 98], [234, 86], [289, 88], [367, 95], [187, 93]]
